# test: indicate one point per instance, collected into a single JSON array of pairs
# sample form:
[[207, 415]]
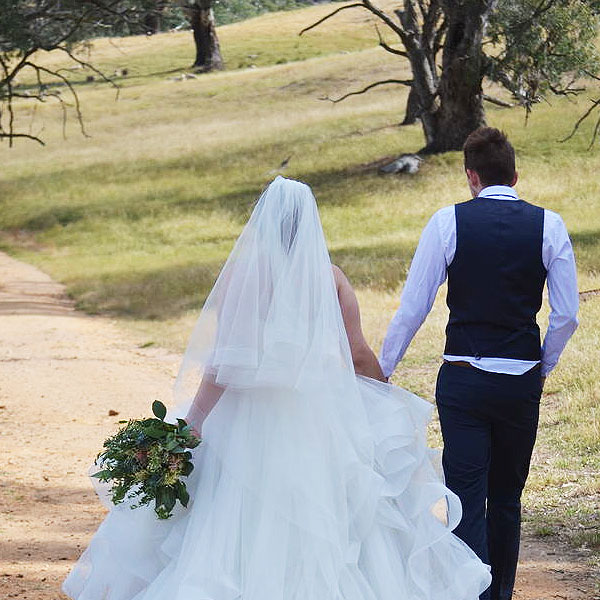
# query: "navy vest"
[[495, 280]]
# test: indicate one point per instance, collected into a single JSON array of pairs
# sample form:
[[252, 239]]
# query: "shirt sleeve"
[[427, 272], [563, 293]]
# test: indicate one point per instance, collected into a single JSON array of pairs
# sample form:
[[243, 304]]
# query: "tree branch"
[[335, 12], [57, 25], [497, 101], [39, 69], [14, 136], [385, 18], [588, 112], [407, 82], [387, 47], [89, 66]]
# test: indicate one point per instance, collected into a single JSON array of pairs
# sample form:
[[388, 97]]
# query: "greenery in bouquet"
[[146, 461]]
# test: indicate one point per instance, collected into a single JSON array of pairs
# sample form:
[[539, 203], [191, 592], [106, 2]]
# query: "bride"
[[313, 481]]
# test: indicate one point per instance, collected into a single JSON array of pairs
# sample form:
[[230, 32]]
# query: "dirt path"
[[61, 373]]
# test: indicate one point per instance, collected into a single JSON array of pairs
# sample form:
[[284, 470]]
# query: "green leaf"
[[104, 474], [193, 442], [165, 501], [161, 511], [182, 493], [155, 432], [159, 410], [187, 468], [172, 446]]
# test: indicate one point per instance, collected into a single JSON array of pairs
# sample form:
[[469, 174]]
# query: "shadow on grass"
[[586, 245], [144, 189], [170, 291], [154, 294], [586, 239], [380, 266]]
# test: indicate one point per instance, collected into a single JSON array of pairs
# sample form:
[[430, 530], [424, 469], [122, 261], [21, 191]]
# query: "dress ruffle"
[[307, 495]]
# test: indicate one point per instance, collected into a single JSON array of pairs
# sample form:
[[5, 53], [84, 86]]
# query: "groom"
[[497, 252]]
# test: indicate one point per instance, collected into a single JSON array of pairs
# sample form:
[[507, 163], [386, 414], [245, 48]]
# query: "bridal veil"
[[273, 315]]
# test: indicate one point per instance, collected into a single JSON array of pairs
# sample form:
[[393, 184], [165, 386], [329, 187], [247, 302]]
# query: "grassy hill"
[[137, 218]]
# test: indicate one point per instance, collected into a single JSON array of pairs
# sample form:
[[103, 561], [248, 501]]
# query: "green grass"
[[138, 218]]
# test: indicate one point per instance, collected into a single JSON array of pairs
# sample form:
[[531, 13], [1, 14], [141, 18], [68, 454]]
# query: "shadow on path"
[[36, 294]]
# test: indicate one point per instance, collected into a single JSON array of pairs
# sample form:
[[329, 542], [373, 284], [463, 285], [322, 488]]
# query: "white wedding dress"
[[311, 483]]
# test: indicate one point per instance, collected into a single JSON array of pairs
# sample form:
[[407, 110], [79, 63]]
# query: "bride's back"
[[274, 313]]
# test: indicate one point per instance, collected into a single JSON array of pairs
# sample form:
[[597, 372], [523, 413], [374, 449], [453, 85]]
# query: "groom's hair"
[[489, 153]]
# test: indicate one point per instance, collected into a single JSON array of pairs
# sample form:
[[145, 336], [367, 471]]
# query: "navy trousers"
[[489, 423]]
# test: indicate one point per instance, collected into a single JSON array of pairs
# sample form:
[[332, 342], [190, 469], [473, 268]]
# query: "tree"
[[200, 16], [202, 21], [30, 28], [535, 47]]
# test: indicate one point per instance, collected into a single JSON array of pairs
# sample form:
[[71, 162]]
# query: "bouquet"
[[146, 460]]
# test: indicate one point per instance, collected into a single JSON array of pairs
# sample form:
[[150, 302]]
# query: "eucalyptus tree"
[[531, 47], [202, 20]]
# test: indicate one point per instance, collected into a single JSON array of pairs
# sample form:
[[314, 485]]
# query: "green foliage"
[[544, 47], [145, 461], [37, 24], [230, 11]]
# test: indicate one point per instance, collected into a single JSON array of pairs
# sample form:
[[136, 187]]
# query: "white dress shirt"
[[428, 271]]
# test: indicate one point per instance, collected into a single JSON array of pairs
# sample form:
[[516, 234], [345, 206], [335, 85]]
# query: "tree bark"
[[447, 99], [152, 23], [413, 108], [460, 108], [448, 103], [208, 51]]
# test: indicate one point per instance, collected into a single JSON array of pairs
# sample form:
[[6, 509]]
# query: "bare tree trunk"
[[421, 52], [413, 108], [448, 100], [153, 19], [460, 110], [449, 105], [208, 52], [152, 23]]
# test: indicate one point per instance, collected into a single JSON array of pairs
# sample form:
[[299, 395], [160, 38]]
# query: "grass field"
[[137, 218]]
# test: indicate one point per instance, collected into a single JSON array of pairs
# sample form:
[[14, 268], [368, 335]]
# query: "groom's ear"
[[474, 179], [515, 179]]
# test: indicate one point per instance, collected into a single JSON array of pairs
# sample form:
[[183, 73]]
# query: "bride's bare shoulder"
[[340, 277]]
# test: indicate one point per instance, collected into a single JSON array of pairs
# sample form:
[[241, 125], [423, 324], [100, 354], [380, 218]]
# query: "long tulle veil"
[[273, 314]]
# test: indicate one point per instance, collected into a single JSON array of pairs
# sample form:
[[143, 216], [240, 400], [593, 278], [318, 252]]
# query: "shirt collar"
[[498, 192]]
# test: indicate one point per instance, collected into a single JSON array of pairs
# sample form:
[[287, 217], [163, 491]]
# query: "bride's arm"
[[365, 361], [207, 396]]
